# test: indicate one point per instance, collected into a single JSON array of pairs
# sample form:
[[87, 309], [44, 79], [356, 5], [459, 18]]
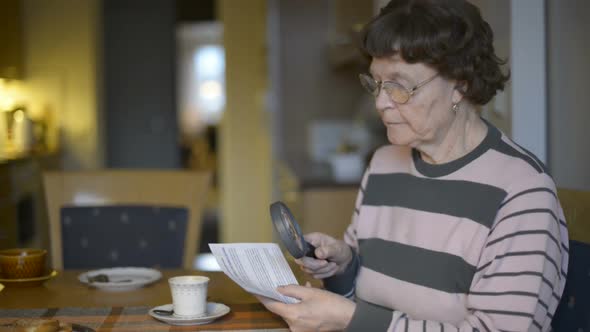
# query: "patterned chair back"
[[573, 312], [186, 189], [125, 235]]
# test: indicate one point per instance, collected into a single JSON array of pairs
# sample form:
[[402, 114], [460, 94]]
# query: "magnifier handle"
[[310, 251]]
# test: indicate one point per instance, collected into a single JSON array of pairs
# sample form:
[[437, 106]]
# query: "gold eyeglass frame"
[[365, 78]]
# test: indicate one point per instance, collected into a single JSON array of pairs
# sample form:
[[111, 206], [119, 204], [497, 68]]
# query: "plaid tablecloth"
[[243, 317]]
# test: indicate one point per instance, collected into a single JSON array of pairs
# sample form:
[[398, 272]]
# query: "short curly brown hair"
[[449, 35]]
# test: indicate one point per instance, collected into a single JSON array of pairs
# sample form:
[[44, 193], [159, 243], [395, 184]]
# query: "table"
[[66, 299]]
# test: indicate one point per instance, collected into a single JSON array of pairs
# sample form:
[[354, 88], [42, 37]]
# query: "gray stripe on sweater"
[[369, 317], [476, 201], [433, 269]]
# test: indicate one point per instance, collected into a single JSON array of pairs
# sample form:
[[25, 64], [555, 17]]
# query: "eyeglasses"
[[397, 92]]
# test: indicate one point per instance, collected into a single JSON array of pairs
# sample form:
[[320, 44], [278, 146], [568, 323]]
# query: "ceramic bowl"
[[22, 263]]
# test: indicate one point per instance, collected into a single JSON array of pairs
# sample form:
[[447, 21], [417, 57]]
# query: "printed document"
[[258, 268]]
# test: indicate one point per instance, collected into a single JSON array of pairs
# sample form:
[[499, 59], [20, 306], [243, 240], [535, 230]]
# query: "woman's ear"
[[458, 92]]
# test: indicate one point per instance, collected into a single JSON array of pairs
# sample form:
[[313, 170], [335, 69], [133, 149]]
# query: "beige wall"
[[245, 171], [61, 50]]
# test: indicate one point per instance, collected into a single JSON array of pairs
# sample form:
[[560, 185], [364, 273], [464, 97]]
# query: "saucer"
[[122, 278], [214, 311], [28, 282]]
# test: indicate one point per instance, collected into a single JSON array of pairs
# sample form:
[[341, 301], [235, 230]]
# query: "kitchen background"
[[262, 92]]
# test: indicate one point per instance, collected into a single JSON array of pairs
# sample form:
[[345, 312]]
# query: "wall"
[[569, 71], [310, 89], [60, 48], [529, 76], [139, 84], [244, 151]]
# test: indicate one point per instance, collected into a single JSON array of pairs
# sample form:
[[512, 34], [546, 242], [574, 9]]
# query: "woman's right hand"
[[333, 256]]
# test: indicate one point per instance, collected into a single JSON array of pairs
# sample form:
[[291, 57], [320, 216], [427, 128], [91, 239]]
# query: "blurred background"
[[263, 93]]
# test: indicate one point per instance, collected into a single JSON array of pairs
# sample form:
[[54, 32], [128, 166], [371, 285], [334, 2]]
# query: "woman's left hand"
[[319, 310]]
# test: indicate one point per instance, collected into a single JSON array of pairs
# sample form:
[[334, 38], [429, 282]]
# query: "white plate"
[[214, 311], [122, 278]]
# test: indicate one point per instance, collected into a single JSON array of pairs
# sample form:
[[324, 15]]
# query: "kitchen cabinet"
[[318, 203], [23, 215], [327, 209], [8, 227], [11, 57], [350, 16]]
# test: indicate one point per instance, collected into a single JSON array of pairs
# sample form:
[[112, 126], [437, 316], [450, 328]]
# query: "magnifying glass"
[[289, 231]]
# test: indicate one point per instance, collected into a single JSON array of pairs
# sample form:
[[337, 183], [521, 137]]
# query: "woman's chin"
[[400, 140]]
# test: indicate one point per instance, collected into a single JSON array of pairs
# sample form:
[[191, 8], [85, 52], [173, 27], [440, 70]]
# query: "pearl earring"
[[455, 107]]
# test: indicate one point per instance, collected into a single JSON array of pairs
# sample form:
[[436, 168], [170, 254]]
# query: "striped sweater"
[[476, 244]]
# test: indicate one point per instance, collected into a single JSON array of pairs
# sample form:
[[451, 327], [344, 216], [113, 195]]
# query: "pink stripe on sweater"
[[431, 231]]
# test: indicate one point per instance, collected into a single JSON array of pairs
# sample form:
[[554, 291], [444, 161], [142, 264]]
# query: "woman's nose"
[[382, 101]]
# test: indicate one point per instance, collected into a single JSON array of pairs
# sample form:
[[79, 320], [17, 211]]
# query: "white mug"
[[189, 295]]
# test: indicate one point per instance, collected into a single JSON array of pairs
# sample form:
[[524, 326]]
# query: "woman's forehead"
[[395, 67]]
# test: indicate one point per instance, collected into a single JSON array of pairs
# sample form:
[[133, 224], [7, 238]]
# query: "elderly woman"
[[456, 227]]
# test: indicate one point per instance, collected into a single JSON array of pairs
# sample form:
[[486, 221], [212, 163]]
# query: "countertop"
[[319, 175], [23, 156]]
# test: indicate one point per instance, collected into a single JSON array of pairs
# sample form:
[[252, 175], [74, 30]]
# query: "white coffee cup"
[[189, 295]]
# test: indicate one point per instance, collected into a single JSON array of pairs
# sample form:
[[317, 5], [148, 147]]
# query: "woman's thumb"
[[324, 252]]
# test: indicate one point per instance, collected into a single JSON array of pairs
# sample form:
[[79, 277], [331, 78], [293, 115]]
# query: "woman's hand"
[[333, 256], [319, 310]]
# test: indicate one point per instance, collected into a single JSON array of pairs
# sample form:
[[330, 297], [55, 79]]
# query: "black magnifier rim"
[[279, 224]]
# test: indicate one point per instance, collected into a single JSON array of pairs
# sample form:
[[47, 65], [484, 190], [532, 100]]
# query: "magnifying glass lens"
[[289, 231]]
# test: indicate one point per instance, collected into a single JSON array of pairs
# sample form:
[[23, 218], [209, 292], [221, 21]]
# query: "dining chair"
[[129, 195]]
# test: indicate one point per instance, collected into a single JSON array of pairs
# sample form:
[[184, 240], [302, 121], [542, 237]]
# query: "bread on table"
[[40, 325], [65, 327], [36, 325]]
